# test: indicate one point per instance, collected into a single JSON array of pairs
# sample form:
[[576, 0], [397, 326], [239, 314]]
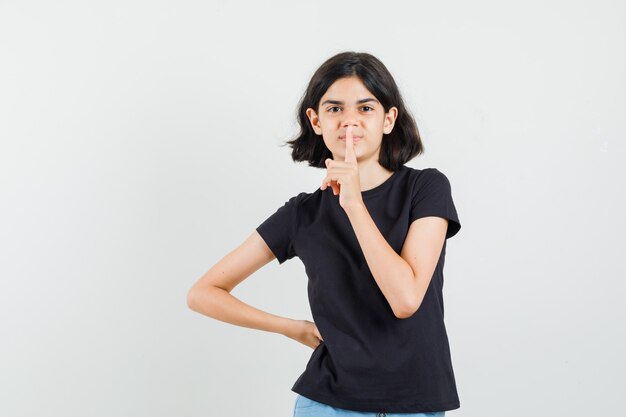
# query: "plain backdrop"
[[141, 142]]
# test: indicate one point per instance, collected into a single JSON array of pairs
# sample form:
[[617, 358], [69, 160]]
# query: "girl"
[[372, 239]]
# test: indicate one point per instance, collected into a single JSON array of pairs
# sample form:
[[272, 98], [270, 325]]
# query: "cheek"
[[329, 141]]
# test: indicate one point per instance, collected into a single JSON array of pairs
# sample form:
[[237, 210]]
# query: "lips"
[[354, 138]]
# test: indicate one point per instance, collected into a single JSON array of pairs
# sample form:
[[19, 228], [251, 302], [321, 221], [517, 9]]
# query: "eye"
[[364, 107]]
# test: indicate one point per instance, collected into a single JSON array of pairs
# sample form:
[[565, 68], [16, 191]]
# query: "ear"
[[390, 120], [314, 120]]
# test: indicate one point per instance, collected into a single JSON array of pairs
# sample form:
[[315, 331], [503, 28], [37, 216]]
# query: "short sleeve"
[[432, 196], [277, 231]]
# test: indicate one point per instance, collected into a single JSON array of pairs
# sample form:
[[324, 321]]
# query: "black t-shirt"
[[370, 360]]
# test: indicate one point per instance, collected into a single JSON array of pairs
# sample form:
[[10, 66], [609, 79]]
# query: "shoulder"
[[298, 203], [304, 197], [295, 200], [429, 182], [427, 176]]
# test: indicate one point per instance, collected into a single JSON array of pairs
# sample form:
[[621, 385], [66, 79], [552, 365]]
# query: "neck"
[[372, 175]]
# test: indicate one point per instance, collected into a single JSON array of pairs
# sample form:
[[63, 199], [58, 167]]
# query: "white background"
[[140, 143]]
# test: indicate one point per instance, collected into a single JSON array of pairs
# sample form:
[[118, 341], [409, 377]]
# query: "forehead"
[[347, 87]]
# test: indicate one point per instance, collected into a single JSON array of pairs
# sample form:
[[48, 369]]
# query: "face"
[[348, 102]]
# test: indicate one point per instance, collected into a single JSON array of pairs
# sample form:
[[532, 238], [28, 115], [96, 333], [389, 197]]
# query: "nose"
[[349, 122]]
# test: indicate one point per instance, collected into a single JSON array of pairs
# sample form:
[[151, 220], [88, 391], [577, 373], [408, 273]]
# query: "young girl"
[[372, 239]]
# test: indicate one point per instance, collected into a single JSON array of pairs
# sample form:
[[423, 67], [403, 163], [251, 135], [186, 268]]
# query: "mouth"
[[355, 139]]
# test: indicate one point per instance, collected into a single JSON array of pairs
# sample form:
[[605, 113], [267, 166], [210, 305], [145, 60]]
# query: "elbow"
[[405, 313], [411, 302], [191, 299], [199, 297], [408, 309]]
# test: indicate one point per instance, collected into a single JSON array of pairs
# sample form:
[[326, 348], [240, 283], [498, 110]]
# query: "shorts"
[[306, 407]]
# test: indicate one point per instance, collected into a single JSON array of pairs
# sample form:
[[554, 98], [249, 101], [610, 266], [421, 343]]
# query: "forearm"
[[222, 305], [394, 275]]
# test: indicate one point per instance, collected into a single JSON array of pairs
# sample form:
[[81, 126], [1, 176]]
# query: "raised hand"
[[343, 176]]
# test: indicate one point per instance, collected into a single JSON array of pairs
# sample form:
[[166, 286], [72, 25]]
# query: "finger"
[[350, 155], [332, 184], [326, 182]]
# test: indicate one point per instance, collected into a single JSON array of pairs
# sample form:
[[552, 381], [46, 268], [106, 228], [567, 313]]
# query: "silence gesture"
[[343, 176]]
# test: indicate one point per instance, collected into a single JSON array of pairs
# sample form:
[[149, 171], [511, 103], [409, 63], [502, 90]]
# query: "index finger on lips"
[[350, 155]]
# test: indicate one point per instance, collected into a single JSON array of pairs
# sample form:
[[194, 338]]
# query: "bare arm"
[[211, 296], [403, 279]]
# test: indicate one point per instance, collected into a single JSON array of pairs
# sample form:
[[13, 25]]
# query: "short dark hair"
[[398, 147]]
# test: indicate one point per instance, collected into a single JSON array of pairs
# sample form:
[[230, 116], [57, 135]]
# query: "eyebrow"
[[363, 100]]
